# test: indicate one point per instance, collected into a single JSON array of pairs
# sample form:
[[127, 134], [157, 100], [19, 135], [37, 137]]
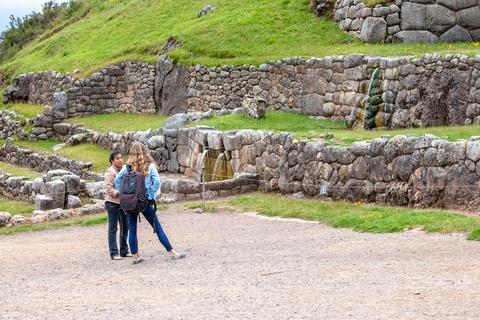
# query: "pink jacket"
[[112, 193]]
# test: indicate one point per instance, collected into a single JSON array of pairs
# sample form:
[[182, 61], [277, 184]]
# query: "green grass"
[[85, 221], [373, 3], [19, 171], [16, 207], [29, 111], [207, 207], [120, 122], [303, 127], [298, 124], [93, 153], [360, 217], [237, 32]]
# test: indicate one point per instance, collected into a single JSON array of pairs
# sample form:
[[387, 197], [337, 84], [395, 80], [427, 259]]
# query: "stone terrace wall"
[[378, 24], [38, 87], [16, 188], [411, 21], [430, 90], [419, 172], [42, 162], [318, 87], [126, 87]]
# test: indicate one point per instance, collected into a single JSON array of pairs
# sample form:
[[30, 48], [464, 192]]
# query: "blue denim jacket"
[[152, 181]]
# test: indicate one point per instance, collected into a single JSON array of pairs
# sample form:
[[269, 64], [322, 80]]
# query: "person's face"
[[118, 160]]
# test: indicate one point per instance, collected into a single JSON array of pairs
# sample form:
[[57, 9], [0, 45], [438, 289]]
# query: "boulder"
[[374, 30], [254, 107], [77, 139], [312, 104], [458, 4], [456, 34], [413, 16], [73, 202], [72, 183], [206, 10], [473, 150], [156, 142], [170, 87], [43, 202], [411, 36], [59, 105], [4, 218], [18, 220], [56, 190], [52, 174], [439, 19], [96, 189]]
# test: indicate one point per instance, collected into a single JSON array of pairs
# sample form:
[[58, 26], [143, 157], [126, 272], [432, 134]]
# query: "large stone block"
[[43, 202], [312, 104], [469, 18], [413, 16], [170, 88], [456, 34], [56, 191], [4, 218], [59, 106], [373, 30], [415, 37], [439, 19], [458, 4]]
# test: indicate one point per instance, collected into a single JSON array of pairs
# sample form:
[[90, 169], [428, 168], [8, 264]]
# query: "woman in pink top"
[[115, 215]]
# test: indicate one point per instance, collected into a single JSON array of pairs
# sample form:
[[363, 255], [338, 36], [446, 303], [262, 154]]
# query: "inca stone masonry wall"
[[43, 162], [411, 21], [406, 171], [430, 90]]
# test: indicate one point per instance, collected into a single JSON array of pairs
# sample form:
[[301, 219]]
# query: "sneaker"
[[137, 261], [177, 256], [116, 257], [128, 255]]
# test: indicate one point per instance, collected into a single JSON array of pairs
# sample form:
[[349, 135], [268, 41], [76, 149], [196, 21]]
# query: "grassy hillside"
[[237, 32]]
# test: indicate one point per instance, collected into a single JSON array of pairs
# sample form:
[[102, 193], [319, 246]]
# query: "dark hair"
[[113, 155]]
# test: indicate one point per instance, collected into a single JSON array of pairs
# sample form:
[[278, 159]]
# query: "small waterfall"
[[209, 157], [223, 168], [216, 165]]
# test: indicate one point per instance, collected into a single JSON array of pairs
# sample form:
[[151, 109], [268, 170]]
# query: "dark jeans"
[[116, 217], [150, 213]]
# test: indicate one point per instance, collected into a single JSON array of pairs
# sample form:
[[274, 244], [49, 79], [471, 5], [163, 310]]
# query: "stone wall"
[[43, 162], [16, 188], [378, 24], [12, 124], [430, 90], [418, 172], [37, 87], [411, 21]]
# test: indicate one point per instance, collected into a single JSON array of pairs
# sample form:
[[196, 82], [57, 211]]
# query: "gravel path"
[[241, 266]]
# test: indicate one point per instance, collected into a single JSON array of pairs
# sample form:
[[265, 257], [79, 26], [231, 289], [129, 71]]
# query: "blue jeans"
[[116, 217], [150, 213]]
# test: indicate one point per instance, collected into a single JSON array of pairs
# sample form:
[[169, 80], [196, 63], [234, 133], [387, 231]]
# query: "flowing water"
[[217, 165]]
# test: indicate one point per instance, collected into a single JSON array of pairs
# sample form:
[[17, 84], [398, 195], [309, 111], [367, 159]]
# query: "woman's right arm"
[[119, 177], [109, 178]]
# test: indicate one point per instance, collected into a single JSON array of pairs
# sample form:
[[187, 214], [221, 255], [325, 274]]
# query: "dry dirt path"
[[241, 267]]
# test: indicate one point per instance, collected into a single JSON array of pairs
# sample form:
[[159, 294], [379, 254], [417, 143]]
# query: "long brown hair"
[[139, 158]]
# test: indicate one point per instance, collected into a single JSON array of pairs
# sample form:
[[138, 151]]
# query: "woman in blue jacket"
[[140, 160]]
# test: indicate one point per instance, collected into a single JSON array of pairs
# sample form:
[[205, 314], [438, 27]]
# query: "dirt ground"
[[240, 266]]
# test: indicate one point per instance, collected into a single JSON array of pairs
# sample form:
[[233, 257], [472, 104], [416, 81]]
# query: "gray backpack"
[[132, 192]]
